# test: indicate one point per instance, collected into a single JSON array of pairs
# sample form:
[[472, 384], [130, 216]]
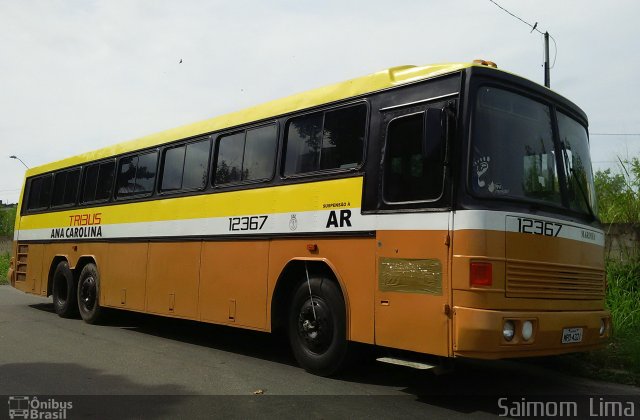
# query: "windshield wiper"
[[583, 193]]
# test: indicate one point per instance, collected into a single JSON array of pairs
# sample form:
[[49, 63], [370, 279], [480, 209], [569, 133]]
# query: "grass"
[[4, 268]]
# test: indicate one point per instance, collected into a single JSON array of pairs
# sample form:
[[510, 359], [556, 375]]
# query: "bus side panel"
[[233, 286], [412, 291], [354, 263], [124, 275], [173, 277]]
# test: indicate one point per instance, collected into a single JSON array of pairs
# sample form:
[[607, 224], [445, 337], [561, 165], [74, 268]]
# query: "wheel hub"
[[88, 293], [314, 326]]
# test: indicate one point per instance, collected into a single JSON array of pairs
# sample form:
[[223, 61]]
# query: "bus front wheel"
[[64, 291], [317, 327], [89, 294]]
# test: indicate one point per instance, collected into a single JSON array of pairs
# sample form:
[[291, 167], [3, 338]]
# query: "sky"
[[78, 75]]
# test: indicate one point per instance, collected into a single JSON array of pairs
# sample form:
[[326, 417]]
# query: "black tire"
[[319, 340], [64, 291], [89, 294]]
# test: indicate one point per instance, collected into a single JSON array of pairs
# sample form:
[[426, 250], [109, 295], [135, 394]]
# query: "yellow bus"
[[444, 210]]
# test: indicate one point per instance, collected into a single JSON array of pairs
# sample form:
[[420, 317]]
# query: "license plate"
[[571, 335]]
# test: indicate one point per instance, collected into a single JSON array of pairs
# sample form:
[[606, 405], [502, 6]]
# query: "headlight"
[[527, 330], [508, 330]]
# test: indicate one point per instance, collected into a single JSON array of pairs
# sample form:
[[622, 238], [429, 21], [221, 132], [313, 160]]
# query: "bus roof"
[[384, 79]]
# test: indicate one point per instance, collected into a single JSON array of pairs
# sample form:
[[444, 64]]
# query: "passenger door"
[[413, 232]]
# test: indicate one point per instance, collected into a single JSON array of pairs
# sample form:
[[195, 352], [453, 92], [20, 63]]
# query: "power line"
[[533, 27], [548, 66]]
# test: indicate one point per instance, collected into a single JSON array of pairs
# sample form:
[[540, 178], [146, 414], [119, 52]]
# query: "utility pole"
[[534, 27], [547, 73]]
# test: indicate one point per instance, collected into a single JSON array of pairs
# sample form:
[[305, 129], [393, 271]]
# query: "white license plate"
[[571, 335]]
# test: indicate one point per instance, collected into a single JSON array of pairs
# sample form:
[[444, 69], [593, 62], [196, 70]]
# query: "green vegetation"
[[4, 267], [619, 361], [7, 220], [619, 202], [619, 193]]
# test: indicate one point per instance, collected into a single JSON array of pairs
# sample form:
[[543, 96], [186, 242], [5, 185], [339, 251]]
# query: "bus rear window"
[[39, 193]]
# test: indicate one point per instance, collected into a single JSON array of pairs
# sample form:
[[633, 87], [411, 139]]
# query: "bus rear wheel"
[[64, 291], [317, 327], [89, 294]]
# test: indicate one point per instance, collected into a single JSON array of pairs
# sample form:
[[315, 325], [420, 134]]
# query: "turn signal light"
[[481, 274]]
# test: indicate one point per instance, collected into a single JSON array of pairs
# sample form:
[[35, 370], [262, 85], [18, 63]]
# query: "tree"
[[618, 193], [7, 221]]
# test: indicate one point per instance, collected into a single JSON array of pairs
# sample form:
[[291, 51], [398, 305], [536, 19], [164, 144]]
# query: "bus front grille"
[[527, 279]]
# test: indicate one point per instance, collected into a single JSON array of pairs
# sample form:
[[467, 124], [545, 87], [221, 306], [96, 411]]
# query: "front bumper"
[[477, 333]]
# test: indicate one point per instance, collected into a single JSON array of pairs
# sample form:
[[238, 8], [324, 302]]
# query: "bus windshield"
[[514, 152]]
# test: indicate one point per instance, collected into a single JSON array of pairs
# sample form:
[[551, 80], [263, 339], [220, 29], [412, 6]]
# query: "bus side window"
[[196, 165], [247, 156], [332, 139], [412, 172], [136, 175], [98, 182], [184, 167], [39, 193], [105, 181], [65, 188]]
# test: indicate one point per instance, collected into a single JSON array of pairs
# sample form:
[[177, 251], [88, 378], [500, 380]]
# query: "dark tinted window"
[[325, 140], [90, 181], [146, 173], [58, 188], [230, 151], [136, 175], [39, 193], [196, 164], [105, 180], [343, 138], [172, 169], [125, 185], [259, 153], [303, 144], [65, 188], [246, 156], [98, 182], [412, 171], [185, 167]]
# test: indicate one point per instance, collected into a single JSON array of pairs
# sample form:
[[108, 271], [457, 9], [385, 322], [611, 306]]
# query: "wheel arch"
[[82, 262], [291, 276], [52, 269]]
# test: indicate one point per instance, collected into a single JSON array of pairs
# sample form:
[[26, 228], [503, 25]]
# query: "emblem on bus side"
[[293, 223]]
